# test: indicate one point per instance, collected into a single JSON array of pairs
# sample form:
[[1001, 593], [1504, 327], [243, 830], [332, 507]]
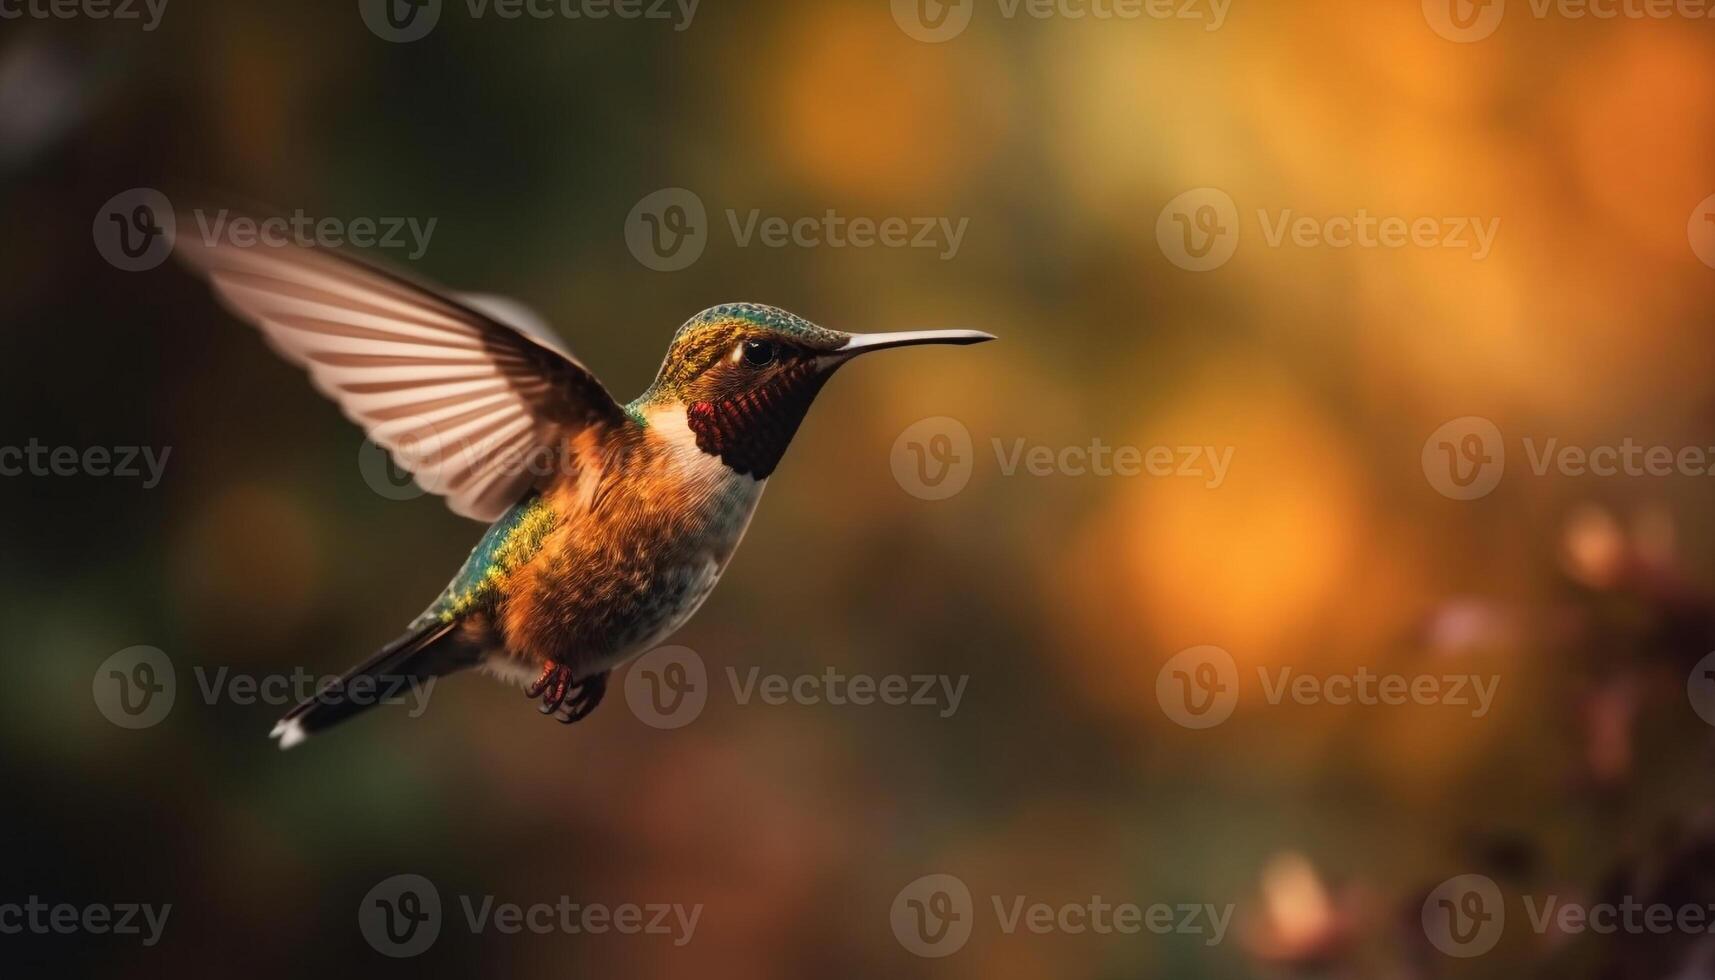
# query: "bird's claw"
[[568, 700], [585, 696], [551, 687]]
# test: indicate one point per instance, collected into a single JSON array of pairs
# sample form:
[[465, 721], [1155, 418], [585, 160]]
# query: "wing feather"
[[471, 405]]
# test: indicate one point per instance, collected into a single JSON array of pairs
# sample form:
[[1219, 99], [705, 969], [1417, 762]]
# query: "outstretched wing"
[[473, 408]]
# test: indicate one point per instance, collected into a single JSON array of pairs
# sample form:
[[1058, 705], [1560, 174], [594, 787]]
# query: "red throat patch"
[[750, 431]]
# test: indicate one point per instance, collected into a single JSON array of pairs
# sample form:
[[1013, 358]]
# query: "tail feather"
[[426, 651]]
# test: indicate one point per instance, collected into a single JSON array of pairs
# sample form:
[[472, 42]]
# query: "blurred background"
[[1061, 143]]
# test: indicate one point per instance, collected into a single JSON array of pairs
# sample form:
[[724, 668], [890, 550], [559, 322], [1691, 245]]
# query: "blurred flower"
[[1594, 547], [1301, 925], [1464, 625]]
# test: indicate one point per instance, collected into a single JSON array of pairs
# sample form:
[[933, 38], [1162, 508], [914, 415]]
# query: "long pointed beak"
[[863, 343]]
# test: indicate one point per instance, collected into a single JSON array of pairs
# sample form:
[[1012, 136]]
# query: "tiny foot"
[[585, 696], [552, 687]]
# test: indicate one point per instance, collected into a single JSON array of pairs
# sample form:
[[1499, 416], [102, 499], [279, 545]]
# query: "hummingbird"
[[609, 523]]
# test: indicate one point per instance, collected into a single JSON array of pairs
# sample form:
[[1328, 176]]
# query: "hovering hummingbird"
[[610, 523]]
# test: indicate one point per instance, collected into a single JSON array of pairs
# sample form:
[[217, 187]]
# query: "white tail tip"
[[289, 733]]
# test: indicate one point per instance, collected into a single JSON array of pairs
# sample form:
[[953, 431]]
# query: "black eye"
[[758, 353]]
